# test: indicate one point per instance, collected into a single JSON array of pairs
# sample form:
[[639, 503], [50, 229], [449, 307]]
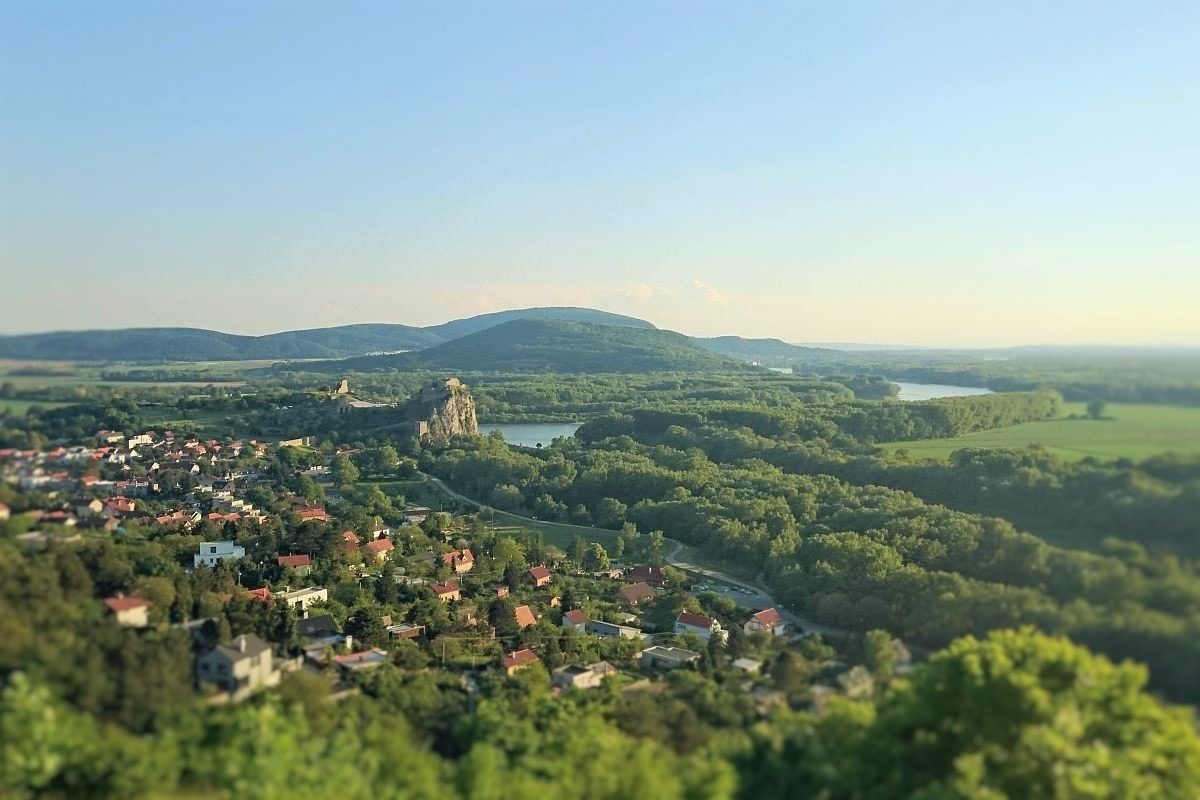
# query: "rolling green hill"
[[768, 351], [463, 327], [196, 344], [533, 345]]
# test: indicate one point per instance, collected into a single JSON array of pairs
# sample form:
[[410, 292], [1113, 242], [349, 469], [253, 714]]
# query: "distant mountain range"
[[197, 344], [562, 339]]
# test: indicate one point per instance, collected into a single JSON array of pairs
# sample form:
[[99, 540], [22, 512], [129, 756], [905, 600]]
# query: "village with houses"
[[295, 564]]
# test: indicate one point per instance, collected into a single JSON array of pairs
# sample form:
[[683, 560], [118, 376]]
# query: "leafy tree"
[[1096, 408], [878, 655], [578, 549], [610, 513], [365, 624], [595, 558], [344, 472]]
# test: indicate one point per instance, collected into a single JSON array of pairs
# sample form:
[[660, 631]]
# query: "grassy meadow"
[[1127, 431]]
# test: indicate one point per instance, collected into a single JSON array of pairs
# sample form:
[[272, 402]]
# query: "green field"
[[555, 533], [1128, 431]]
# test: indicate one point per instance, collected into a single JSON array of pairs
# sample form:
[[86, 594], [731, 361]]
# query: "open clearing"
[[1128, 431]]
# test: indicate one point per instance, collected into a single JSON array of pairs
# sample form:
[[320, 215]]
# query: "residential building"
[[318, 626], [668, 657], [129, 612], [575, 619], [212, 552], [607, 630], [635, 593], [447, 591], [702, 626], [517, 660], [362, 660], [303, 598], [655, 576], [88, 508], [461, 561], [380, 549], [767, 620], [301, 563], [240, 667], [573, 676], [525, 617], [539, 576], [406, 630]]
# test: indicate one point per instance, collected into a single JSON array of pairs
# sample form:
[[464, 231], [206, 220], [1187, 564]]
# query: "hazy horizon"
[[930, 176]]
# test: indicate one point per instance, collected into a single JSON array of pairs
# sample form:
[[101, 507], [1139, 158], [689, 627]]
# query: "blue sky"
[[922, 173]]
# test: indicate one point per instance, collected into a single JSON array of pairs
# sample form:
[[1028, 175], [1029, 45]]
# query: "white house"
[[303, 598], [702, 626], [767, 620], [212, 552]]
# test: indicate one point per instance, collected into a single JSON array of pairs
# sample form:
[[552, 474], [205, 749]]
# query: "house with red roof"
[[700, 625], [447, 591], [263, 594], [575, 618], [767, 620], [129, 612], [654, 576], [302, 563], [635, 593], [539, 576], [525, 617], [119, 506], [517, 660], [312, 515], [380, 549], [461, 561]]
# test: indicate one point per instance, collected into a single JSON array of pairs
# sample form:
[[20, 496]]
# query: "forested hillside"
[[745, 486], [531, 345]]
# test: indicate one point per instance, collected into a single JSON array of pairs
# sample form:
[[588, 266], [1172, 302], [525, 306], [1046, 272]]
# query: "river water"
[[930, 391], [533, 434]]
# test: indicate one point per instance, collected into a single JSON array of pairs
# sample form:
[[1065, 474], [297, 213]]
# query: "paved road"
[[758, 597]]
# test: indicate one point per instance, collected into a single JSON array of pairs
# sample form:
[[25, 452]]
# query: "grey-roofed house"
[[668, 657], [317, 627], [573, 676], [240, 667]]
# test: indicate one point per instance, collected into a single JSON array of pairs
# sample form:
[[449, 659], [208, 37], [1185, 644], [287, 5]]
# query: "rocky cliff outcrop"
[[453, 414]]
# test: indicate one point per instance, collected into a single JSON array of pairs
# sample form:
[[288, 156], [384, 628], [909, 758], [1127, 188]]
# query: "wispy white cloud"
[[712, 295]]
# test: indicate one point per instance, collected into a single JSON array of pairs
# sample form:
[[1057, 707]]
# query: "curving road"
[[756, 596]]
